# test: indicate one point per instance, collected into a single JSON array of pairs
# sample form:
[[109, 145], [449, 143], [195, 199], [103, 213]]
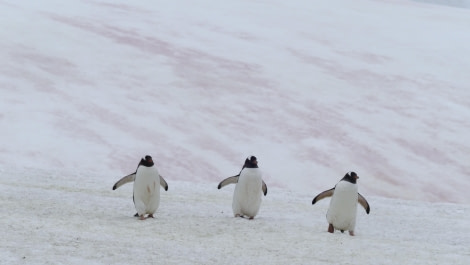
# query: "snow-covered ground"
[[60, 217], [314, 89]]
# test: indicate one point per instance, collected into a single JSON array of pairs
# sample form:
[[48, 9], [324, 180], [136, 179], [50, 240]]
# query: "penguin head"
[[147, 161], [351, 177], [251, 162]]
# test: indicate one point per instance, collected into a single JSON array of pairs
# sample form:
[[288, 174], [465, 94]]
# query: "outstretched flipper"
[[163, 183], [229, 180], [265, 188], [124, 180], [362, 201], [234, 180], [328, 193], [131, 178], [324, 194]]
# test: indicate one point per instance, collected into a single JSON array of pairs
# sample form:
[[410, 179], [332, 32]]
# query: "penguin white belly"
[[247, 193], [343, 206], [146, 190]]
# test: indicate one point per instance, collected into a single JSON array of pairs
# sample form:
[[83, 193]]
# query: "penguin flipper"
[[324, 194], [229, 180], [124, 180], [265, 188], [163, 183], [362, 201]]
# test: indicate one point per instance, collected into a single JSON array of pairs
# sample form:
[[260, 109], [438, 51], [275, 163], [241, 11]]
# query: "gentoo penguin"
[[341, 214], [248, 189], [145, 172]]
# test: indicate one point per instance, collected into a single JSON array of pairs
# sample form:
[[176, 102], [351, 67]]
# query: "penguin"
[[341, 214], [131, 178], [249, 187], [144, 173]]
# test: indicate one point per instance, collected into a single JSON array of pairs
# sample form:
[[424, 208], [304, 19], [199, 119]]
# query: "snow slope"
[[313, 89]]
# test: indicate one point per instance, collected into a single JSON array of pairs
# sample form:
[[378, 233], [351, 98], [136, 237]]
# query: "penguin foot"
[[150, 216], [331, 229], [251, 218], [142, 217], [351, 233]]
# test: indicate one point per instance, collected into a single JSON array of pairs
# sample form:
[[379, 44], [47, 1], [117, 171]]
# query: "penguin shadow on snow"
[[341, 214], [146, 192], [249, 187]]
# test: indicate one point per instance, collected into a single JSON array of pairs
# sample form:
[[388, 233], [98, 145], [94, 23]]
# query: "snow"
[[76, 218], [313, 89]]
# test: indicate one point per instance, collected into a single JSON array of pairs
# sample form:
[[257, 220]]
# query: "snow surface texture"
[[312, 88], [56, 217]]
